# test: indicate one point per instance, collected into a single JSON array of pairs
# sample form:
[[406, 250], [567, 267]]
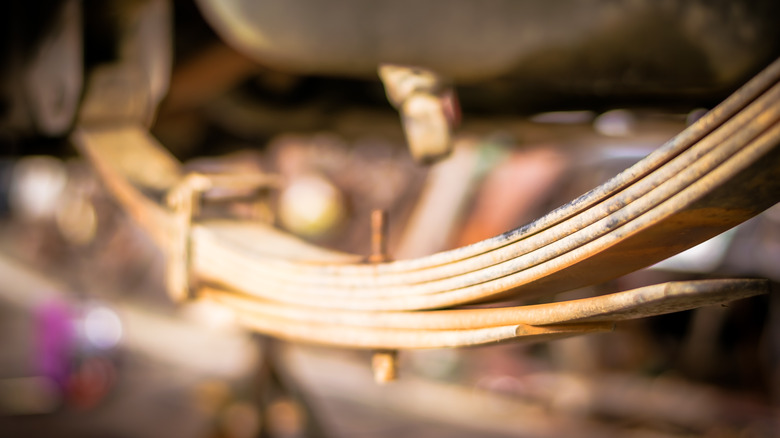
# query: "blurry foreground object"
[[77, 365], [428, 109], [568, 47], [516, 55], [310, 206]]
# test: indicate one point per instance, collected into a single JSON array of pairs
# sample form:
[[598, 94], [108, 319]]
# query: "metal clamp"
[[185, 200]]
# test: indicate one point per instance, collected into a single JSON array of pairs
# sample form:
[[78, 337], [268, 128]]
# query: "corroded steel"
[[714, 175]]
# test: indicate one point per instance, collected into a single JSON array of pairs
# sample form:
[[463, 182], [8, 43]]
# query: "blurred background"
[[552, 101]]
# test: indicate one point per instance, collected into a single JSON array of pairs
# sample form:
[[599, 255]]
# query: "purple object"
[[54, 341]]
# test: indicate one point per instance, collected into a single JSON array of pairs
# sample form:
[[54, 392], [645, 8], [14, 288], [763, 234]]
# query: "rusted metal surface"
[[636, 303], [384, 363], [185, 201], [385, 366], [655, 214], [716, 174], [133, 149], [466, 327], [428, 108], [630, 222], [706, 125], [379, 230], [389, 338]]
